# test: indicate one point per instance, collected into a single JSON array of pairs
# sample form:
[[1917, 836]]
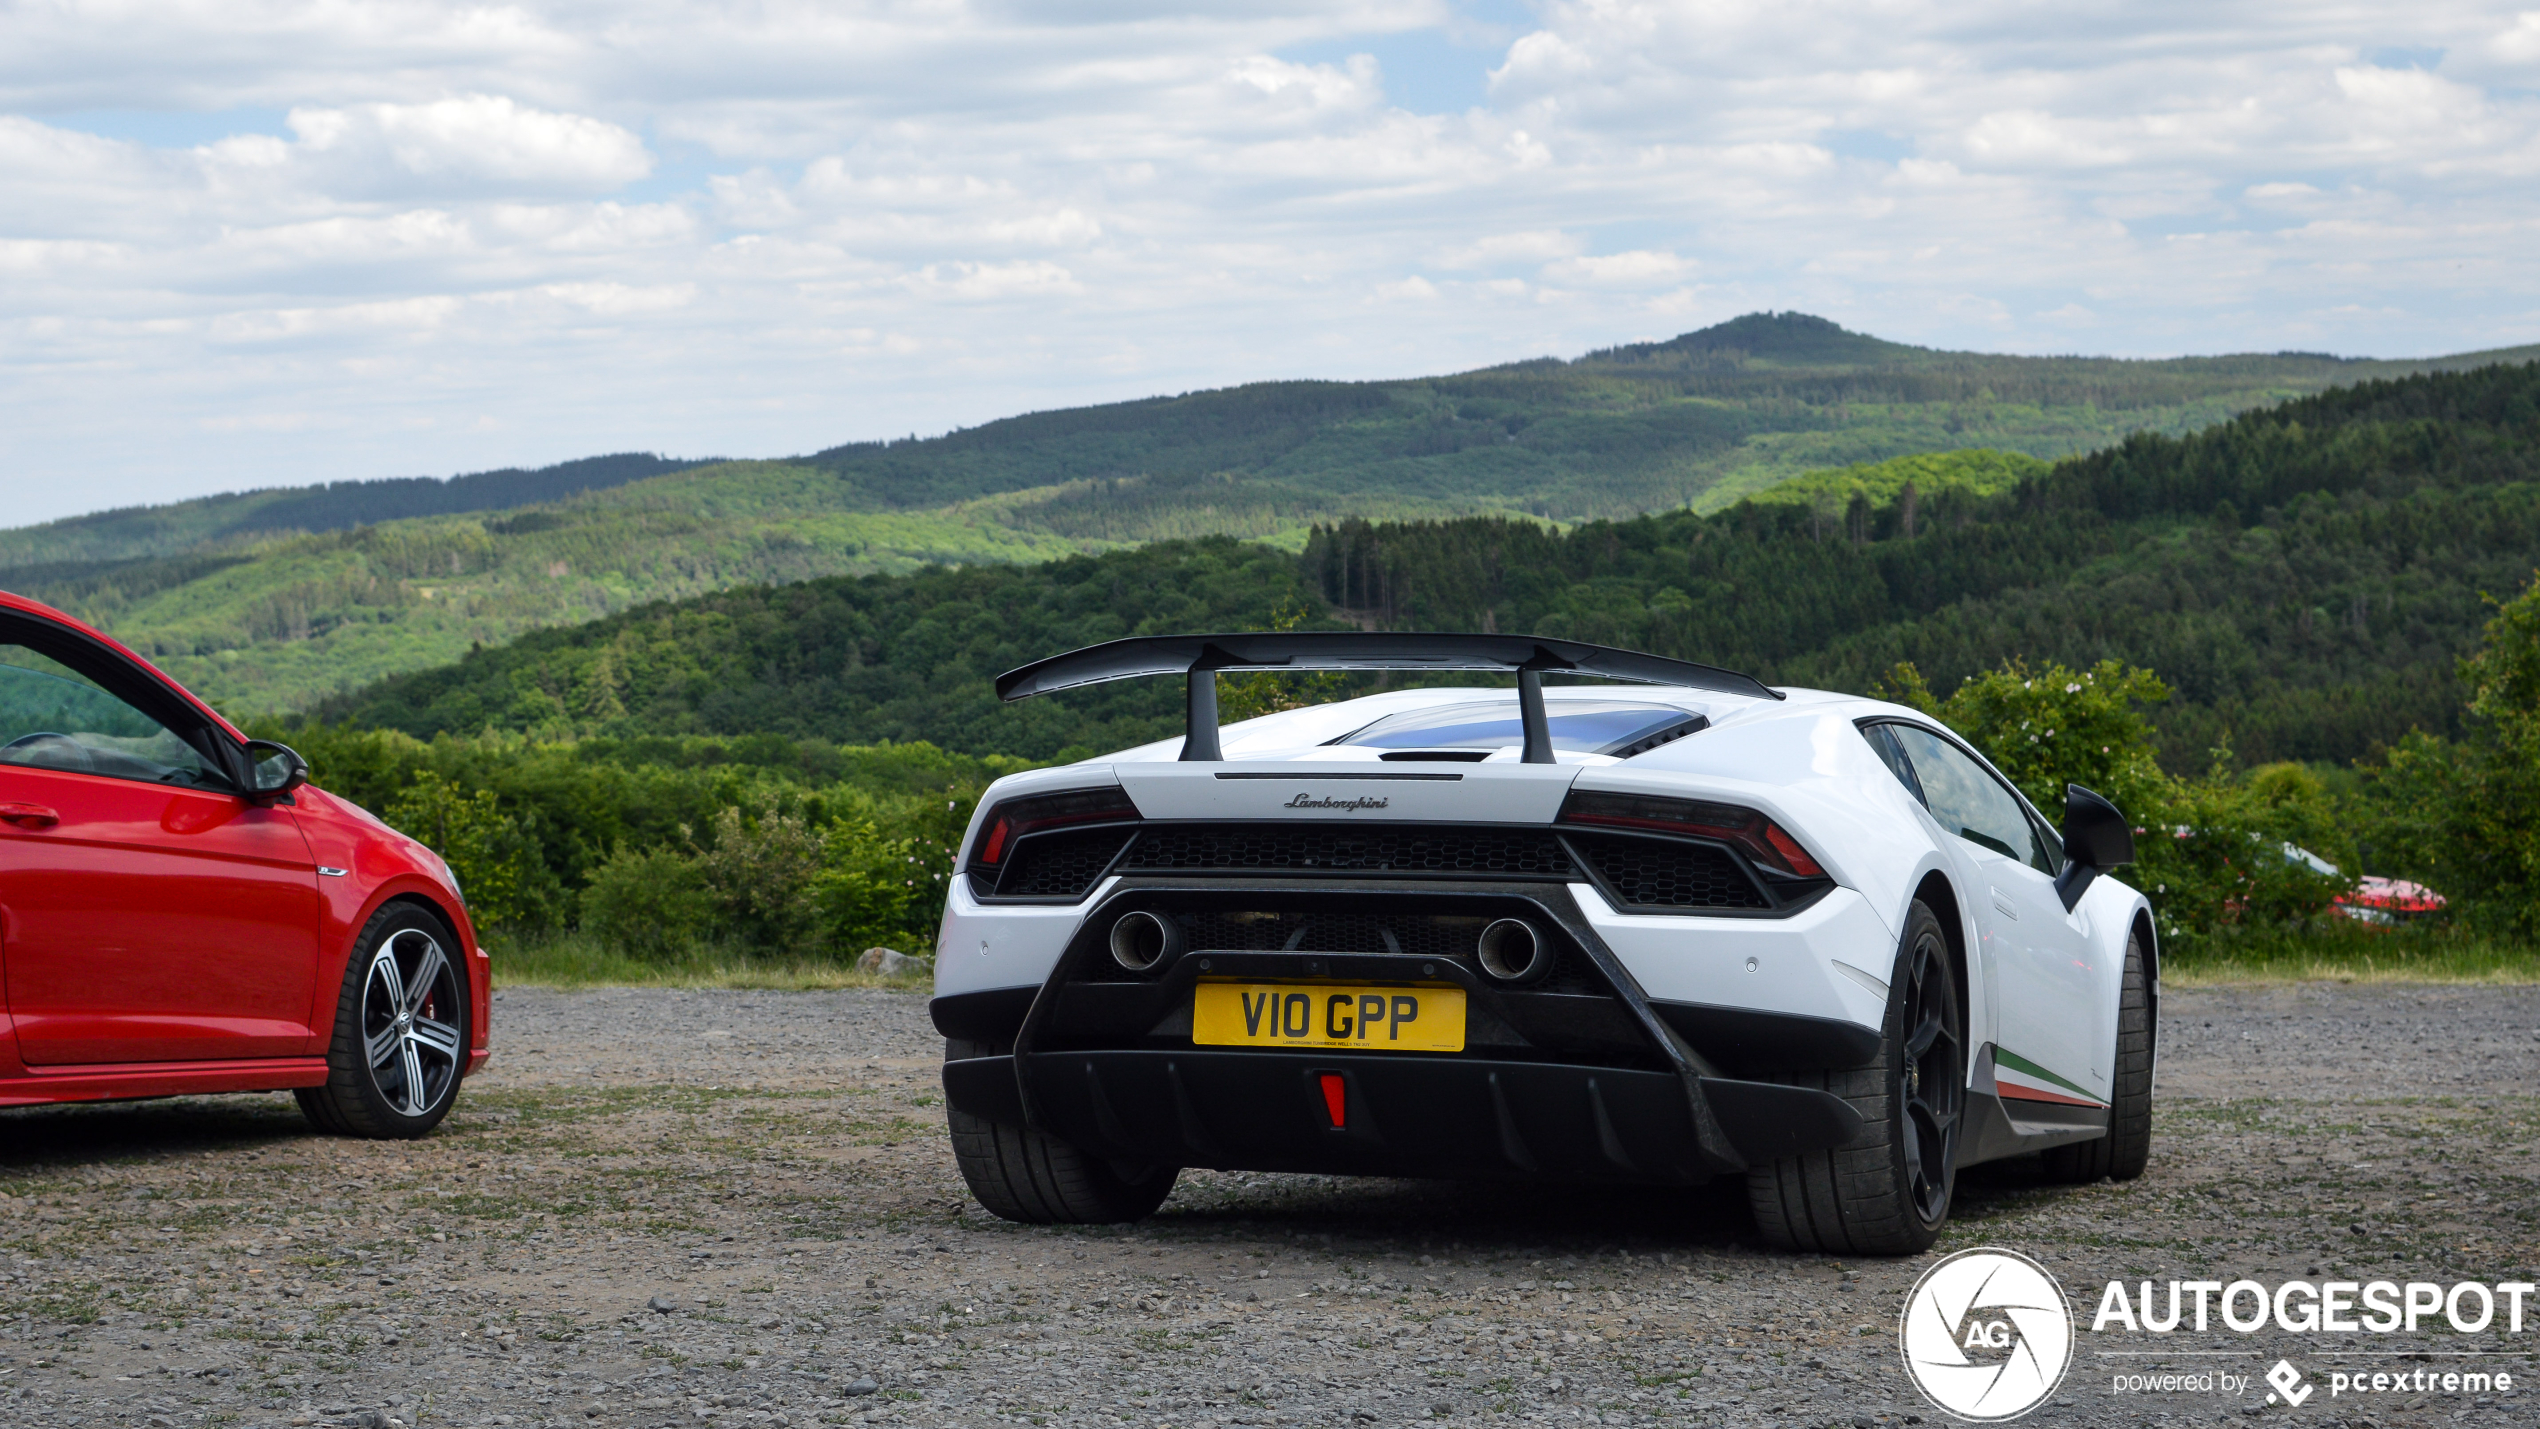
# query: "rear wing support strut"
[[1199, 733], [1198, 658]]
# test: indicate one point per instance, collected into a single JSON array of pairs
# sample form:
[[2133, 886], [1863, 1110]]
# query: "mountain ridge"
[[268, 620], [2303, 576]]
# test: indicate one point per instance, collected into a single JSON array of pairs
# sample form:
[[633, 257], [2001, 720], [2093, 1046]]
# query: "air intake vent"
[[1662, 873], [1061, 865], [1301, 932], [1324, 850]]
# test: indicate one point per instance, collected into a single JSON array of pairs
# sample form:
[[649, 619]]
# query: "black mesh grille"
[[1401, 851], [1061, 865], [1419, 937], [1661, 873]]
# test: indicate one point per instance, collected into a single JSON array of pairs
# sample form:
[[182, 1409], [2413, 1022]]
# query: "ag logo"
[[1987, 1335]]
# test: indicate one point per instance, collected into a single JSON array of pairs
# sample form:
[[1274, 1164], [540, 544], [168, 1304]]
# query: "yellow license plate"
[[1424, 1018]]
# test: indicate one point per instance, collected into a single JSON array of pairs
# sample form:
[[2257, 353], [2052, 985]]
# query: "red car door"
[[148, 913]]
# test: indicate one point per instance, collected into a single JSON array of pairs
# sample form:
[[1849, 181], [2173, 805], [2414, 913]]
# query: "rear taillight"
[[1758, 837], [1016, 819]]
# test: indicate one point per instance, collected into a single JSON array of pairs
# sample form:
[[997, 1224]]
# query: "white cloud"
[[1639, 267], [1534, 245], [2521, 43], [407, 236], [477, 144], [986, 281]]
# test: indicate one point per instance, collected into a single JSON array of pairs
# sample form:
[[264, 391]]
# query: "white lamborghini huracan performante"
[[1656, 933]]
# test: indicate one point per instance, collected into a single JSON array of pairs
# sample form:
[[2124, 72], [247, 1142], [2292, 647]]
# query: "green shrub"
[[760, 870], [649, 904], [493, 853], [2216, 856], [875, 890]]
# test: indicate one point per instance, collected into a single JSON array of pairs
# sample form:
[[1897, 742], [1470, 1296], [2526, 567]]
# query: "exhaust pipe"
[[1513, 952], [1141, 942]]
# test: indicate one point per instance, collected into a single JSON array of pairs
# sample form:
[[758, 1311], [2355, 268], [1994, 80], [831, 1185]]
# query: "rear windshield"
[[1579, 726]]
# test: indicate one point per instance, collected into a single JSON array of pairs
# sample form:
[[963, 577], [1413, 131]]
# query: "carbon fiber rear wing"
[[1200, 657]]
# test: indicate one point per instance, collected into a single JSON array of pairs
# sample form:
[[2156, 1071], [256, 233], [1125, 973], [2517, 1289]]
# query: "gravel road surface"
[[738, 1208]]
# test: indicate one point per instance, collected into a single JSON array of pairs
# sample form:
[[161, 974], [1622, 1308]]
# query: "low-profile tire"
[[2127, 1148], [1888, 1192], [401, 1033], [1035, 1178]]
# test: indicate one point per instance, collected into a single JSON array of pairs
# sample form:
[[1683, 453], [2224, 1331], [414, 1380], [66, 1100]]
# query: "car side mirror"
[[2096, 838], [273, 771]]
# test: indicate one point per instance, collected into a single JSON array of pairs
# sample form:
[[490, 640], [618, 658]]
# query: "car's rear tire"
[[1035, 1178], [1888, 1192], [2127, 1148], [401, 1030]]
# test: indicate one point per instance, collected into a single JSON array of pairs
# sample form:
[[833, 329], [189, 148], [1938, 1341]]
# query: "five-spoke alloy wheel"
[[401, 1039]]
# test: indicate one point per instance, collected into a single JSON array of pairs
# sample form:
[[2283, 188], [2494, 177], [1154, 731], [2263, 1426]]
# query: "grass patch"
[[578, 960], [2349, 953]]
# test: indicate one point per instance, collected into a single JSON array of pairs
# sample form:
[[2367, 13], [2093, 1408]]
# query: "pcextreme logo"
[[1986, 1335]]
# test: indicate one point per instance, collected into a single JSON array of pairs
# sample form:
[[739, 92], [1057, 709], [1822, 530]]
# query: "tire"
[[1035, 1178], [2127, 1148], [401, 1031], [1888, 1192]]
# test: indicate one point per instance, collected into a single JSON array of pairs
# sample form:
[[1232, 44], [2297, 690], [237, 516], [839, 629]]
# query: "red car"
[[182, 912]]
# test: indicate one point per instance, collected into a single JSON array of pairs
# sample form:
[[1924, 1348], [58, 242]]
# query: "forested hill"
[[269, 602], [2305, 576], [137, 532], [1699, 420]]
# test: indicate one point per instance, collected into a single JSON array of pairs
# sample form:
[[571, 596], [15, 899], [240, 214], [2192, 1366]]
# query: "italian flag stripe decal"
[[2016, 1076]]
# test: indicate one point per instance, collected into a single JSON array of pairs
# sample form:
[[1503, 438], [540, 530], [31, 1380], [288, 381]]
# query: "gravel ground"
[[664, 1208]]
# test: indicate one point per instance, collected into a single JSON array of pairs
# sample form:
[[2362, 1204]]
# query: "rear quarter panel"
[[1812, 773], [1809, 769]]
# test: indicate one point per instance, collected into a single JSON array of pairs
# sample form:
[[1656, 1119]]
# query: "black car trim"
[[1739, 1039], [1747, 1039], [1691, 1070], [1318, 777], [1416, 1116], [1782, 896], [992, 1015]]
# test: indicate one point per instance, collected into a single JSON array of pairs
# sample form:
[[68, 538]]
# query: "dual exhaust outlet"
[[1511, 952]]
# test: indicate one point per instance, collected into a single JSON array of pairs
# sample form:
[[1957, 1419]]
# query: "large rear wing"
[[1200, 657]]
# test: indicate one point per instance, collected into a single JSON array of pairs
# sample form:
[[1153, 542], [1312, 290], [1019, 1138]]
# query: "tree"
[[2466, 813]]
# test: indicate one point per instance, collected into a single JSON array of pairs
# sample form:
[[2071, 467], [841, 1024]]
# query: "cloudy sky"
[[259, 242]]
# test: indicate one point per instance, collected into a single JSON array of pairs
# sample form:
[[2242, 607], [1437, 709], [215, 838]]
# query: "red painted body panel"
[[155, 924], [161, 1079], [166, 941]]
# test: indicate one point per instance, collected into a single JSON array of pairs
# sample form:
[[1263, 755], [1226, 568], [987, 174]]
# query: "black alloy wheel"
[[1931, 1079], [1888, 1191]]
